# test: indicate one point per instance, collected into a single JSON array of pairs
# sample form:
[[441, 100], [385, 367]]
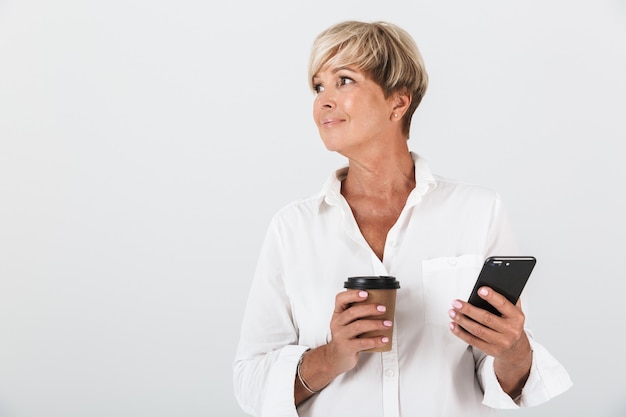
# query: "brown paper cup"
[[381, 290]]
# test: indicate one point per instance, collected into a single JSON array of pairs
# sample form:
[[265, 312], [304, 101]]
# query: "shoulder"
[[300, 210], [446, 187], [465, 192]]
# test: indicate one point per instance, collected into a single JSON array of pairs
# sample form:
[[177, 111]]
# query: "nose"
[[325, 100]]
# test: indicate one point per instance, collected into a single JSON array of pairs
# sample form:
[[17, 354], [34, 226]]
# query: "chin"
[[332, 142], [331, 146]]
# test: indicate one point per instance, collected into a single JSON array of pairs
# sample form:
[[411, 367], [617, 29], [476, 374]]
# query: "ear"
[[401, 102]]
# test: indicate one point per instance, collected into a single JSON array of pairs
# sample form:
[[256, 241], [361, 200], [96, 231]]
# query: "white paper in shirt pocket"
[[447, 279]]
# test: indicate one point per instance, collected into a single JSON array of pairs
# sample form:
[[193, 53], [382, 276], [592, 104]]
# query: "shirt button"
[[389, 373], [452, 262]]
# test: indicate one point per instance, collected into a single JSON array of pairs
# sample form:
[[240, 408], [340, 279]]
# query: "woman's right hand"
[[350, 319], [347, 323]]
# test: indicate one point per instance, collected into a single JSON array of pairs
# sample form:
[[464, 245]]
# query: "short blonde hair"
[[382, 50]]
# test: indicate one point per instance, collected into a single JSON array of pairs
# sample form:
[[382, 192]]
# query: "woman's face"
[[350, 110]]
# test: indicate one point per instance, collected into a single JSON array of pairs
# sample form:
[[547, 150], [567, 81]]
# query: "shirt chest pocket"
[[447, 279]]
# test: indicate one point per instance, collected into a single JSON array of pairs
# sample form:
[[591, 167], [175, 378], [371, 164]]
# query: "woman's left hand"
[[502, 337]]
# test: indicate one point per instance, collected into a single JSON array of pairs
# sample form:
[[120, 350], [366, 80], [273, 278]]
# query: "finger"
[[473, 318], [368, 327], [344, 299], [362, 335], [473, 330], [469, 338], [499, 301], [353, 346], [370, 334], [359, 311], [366, 343]]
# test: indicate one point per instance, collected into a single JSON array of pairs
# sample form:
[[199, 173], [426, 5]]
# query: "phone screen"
[[507, 275]]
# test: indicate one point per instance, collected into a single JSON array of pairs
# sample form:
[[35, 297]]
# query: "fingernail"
[[457, 304], [483, 291], [452, 313], [385, 339], [381, 308], [387, 323], [362, 294], [451, 326]]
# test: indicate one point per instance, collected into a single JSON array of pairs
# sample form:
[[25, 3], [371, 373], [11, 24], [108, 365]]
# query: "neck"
[[380, 176]]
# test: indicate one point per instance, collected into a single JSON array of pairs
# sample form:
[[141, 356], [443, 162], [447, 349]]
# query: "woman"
[[384, 213]]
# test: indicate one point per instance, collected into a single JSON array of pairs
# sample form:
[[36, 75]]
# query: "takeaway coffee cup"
[[381, 290]]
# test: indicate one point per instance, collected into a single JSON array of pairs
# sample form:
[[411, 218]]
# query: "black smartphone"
[[505, 274]]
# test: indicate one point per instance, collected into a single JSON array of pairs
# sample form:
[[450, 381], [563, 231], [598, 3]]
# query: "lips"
[[329, 122]]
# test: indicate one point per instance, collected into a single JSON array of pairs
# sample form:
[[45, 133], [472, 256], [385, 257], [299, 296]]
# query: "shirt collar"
[[424, 183]]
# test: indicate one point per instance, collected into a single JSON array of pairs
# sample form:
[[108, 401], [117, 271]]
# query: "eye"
[[318, 88], [345, 80]]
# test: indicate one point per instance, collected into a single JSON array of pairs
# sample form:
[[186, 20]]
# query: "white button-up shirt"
[[435, 250]]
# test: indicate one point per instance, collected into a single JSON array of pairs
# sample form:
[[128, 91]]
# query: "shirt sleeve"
[[547, 379], [500, 238], [264, 368]]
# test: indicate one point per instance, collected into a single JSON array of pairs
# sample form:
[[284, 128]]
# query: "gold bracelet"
[[304, 384]]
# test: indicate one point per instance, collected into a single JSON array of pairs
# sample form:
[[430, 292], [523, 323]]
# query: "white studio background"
[[144, 146]]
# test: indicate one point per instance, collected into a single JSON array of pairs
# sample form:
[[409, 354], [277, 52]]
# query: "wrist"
[[301, 379], [317, 368]]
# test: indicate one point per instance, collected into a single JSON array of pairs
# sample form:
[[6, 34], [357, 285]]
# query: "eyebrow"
[[337, 69]]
